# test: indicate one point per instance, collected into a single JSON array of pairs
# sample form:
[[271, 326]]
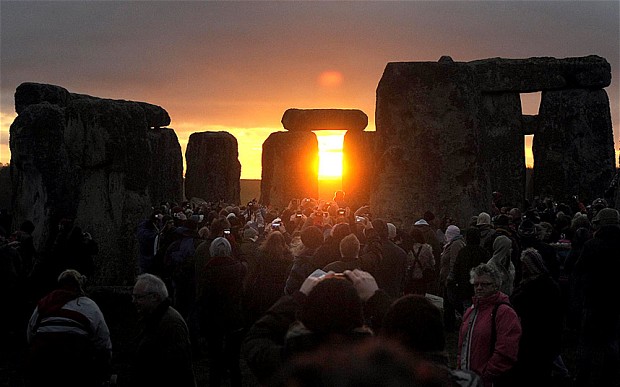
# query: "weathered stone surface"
[[213, 168], [96, 161], [30, 93], [503, 145], [358, 164], [306, 120], [289, 168], [5, 189], [536, 74], [429, 138], [574, 147]]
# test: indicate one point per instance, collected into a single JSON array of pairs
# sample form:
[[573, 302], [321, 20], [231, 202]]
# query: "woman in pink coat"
[[490, 354]]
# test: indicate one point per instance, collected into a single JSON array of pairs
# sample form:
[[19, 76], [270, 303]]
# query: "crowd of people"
[[319, 293]]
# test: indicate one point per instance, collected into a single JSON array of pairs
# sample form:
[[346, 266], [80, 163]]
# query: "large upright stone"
[[289, 168], [306, 120], [94, 160], [429, 140], [574, 147], [503, 145], [358, 164], [213, 167]]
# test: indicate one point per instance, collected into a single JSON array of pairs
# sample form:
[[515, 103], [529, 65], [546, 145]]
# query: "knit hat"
[[333, 305], [533, 262], [483, 218], [391, 230], [606, 217], [452, 232], [220, 247], [250, 233]]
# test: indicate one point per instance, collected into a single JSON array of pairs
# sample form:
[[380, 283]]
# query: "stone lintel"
[[306, 120]]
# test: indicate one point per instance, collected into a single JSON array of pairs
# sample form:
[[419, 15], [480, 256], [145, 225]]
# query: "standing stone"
[[574, 147], [213, 167], [92, 160], [289, 168], [429, 141], [358, 161], [503, 145]]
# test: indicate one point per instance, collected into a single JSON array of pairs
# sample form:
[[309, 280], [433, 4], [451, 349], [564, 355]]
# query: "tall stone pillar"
[[213, 167], [358, 161], [429, 142], [573, 147], [289, 168], [503, 145]]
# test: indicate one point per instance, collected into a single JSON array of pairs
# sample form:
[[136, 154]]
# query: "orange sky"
[[238, 66]]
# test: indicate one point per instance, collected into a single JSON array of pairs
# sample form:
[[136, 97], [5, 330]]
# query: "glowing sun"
[[330, 154]]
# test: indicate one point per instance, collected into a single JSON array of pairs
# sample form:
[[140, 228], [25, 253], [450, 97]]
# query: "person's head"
[[472, 236], [415, 322], [502, 245], [148, 293], [339, 231], [312, 237], [218, 225], [72, 280], [528, 229], [27, 227], [220, 247], [381, 226], [332, 306], [417, 235], [452, 232], [532, 263], [606, 217], [250, 234], [274, 244], [349, 246], [483, 219], [486, 280], [338, 195], [515, 215], [580, 220]]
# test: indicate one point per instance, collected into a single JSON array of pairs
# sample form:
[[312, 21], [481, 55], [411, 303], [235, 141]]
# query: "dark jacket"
[[221, 307], [390, 271], [468, 257], [163, 352]]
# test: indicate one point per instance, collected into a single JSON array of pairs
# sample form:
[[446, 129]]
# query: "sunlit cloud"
[[6, 119]]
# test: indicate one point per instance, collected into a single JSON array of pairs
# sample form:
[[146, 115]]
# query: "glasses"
[[140, 296], [483, 284]]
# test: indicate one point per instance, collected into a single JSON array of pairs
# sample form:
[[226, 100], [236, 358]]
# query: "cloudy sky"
[[237, 66]]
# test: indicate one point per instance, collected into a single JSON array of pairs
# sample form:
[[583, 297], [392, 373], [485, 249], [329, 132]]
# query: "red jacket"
[[474, 348]]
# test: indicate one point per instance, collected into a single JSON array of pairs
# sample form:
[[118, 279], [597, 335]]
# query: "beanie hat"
[[606, 217], [220, 247], [452, 232], [532, 260], [483, 218], [391, 230], [333, 305], [421, 222], [250, 233]]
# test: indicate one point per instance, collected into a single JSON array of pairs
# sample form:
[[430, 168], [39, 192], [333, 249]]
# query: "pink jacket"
[[475, 338]]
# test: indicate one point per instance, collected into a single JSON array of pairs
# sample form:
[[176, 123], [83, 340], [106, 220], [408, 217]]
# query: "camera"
[[275, 226], [226, 232], [359, 218], [298, 214], [342, 211]]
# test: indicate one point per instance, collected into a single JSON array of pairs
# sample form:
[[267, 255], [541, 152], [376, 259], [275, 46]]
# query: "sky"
[[237, 66]]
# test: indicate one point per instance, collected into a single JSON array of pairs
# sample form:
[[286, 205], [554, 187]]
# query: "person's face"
[[145, 302], [484, 286]]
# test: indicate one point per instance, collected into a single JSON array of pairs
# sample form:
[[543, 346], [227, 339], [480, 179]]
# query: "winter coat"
[[301, 269], [538, 303], [501, 262], [390, 271], [163, 351], [474, 344], [468, 257], [448, 257]]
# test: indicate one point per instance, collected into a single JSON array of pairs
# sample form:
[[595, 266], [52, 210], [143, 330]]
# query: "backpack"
[[415, 272]]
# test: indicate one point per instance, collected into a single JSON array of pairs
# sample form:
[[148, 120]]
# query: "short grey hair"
[[220, 247], [485, 269], [153, 284]]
